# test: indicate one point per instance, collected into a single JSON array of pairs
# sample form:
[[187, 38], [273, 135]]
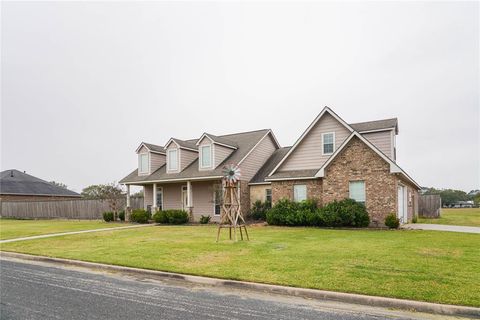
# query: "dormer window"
[[206, 156], [328, 143], [172, 160], [143, 163]]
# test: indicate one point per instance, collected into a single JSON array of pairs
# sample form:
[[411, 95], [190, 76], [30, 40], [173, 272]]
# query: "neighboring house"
[[19, 186], [186, 174], [331, 160]]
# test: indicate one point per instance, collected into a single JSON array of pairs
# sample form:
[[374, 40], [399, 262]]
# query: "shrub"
[[344, 213], [171, 217], [259, 210], [108, 216], [140, 216], [204, 219], [121, 215], [414, 219], [392, 221]]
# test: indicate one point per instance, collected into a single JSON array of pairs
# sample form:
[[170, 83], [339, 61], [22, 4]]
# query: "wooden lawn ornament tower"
[[231, 215]]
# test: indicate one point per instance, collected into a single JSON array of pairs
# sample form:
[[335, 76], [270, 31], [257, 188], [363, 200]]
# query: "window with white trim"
[[299, 192], [143, 163], [268, 195], [172, 159], [217, 199], [206, 156], [328, 142], [357, 191]]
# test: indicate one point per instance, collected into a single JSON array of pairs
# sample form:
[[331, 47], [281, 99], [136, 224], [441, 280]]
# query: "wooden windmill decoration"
[[231, 215]]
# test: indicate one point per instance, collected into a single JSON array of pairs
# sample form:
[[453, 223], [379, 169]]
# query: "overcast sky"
[[84, 83]]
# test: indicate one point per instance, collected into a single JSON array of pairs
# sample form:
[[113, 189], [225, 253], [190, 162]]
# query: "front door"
[[402, 208], [184, 198]]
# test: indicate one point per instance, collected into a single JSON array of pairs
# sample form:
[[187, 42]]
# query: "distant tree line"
[[451, 196]]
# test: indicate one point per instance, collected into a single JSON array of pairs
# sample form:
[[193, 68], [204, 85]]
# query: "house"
[[186, 174], [16, 185], [331, 160]]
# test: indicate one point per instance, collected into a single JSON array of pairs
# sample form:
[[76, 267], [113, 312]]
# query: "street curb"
[[409, 305]]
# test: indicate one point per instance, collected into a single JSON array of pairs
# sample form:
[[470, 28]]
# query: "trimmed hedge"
[[140, 216], [171, 217], [344, 213], [108, 216]]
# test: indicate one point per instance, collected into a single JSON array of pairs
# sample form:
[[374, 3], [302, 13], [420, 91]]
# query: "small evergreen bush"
[[171, 217], [108, 216], [121, 215], [259, 210], [392, 221], [204, 219], [140, 216]]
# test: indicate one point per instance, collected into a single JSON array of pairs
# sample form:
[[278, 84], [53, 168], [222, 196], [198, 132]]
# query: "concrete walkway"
[[441, 227], [73, 232]]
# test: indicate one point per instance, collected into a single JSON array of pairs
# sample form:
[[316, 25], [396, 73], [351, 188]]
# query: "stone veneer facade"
[[356, 162]]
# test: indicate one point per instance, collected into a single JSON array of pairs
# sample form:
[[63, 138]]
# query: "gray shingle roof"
[[245, 141], [376, 125], [293, 174], [222, 140], [154, 147], [269, 165], [14, 182], [190, 144]]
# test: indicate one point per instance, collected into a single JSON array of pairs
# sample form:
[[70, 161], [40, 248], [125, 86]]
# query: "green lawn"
[[421, 265], [458, 217], [11, 228]]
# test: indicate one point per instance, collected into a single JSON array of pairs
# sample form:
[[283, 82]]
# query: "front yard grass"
[[456, 216], [12, 228], [432, 266]]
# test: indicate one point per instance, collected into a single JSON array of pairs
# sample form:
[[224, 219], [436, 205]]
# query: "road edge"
[[402, 304]]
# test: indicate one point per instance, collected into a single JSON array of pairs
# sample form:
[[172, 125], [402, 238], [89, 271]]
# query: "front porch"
[[196, 197]]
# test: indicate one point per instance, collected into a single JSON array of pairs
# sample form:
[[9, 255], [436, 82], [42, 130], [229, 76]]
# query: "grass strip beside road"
[[428, 266], [12, 228]]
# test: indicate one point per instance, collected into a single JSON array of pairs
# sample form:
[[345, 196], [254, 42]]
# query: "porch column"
[[154, 205], [189, 194], [127, 209]]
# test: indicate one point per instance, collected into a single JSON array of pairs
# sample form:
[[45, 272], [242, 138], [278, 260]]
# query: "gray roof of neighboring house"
[[222, 140], [154, 147], [293, 174], [269, 165], [14, 182], [244, 140], [376, 125]]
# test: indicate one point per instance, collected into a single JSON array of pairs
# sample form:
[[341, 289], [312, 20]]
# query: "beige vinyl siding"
[[148, 196], [221, 153], [382, 140], [143, 150], [202, 199], [308, 154], [186, 157], [172, 195], [258, 192], [255, 160], [156, 161]]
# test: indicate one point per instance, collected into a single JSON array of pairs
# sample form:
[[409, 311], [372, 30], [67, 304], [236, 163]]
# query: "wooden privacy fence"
[[429, 206], [63, 209]]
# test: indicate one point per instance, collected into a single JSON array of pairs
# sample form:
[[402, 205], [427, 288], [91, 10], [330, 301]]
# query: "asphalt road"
[[36, 291]]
